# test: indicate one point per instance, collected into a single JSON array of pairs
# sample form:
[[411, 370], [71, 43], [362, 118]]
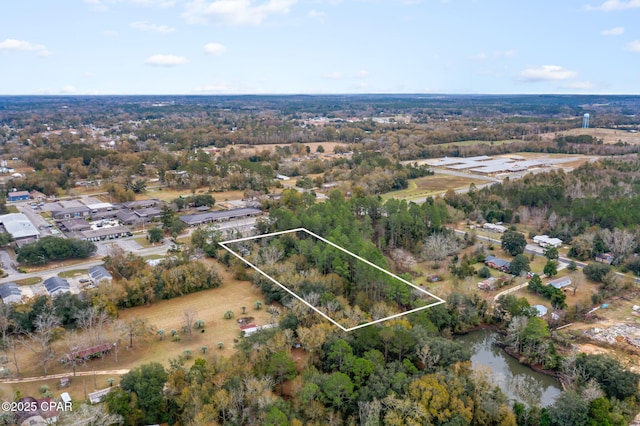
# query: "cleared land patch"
[[379, 281], [432, 185]]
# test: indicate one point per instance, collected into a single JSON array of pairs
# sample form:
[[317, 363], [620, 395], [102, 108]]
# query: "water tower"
[[585, 121]]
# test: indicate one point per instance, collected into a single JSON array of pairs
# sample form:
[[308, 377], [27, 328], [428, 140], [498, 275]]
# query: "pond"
[[517, 381]]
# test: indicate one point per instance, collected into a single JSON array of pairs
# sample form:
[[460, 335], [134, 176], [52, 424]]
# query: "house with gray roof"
[[99, 274], [55, 286], [10, 293]]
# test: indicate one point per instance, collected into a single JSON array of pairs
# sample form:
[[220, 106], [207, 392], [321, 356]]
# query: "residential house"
[[99, 274], [10, 293], [55, 286], [497, 263], [560, 282], [606, 258]]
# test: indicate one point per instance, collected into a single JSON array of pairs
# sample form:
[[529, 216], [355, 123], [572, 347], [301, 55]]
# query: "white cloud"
[[613, 31], [611, 5], [362, 74], [235, 12], [214, 49], [102, 5], [24, 46], [633, 46], [316, 14], [546, 73], [480, 57], [580, 85], [166, 60], [335, 75], [68, 89], [152, 28], [511, 53]]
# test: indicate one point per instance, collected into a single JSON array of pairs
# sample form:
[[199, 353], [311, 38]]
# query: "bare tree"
[[135, 327], [621, 243], [439, 246], [92, 321], [39, 341], [12, 343], [94, 415], [188, 319], [73, 343], [576, 281]]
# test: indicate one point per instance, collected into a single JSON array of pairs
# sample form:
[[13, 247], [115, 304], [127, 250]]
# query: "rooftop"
[[18, 225]]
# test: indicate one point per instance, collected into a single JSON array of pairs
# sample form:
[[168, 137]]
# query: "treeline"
[[49, 249], [394, 374], [137, 283]]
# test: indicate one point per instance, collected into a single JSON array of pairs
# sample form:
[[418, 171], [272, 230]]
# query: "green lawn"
[[73, 273], [29, 281]]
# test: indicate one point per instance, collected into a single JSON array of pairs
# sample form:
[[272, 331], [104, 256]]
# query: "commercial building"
[[19, 226], [71, 212], [18, 196], [106, 233], [218, 216], [546, 241]]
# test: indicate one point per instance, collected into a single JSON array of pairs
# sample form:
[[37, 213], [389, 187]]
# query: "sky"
[[75, 47]]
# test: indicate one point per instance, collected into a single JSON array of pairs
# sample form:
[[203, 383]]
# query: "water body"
[[517, 381]]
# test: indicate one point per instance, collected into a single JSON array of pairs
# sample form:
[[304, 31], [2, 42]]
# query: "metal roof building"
[[19, 226], [218, 216]]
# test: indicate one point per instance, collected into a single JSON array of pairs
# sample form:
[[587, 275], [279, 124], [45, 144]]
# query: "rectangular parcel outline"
[[270, 278]]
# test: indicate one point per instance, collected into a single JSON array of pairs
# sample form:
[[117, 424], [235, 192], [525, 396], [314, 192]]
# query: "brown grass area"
[[609, 136], [431, 185], [210, 306], [76, 389]]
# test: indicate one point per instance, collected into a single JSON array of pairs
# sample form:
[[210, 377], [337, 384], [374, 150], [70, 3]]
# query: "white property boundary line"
[[439, 300]]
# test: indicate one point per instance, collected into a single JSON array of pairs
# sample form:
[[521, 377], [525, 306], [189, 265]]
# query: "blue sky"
[[319, 46]]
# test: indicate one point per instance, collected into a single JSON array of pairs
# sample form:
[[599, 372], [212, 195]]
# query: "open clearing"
[[609, 136], [210, 306], [432, 185]]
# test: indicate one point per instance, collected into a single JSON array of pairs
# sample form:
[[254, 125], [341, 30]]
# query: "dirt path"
[[60, 376]]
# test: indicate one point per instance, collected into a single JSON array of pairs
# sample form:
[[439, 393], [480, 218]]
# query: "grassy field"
[[29, 281], [73, 273], [609, 136], [210, 306], [431, 185]]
